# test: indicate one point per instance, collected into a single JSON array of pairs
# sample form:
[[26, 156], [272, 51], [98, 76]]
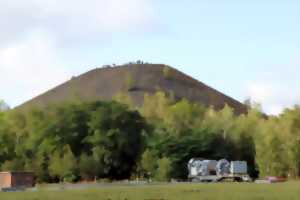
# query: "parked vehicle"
[[201, 170], [272, 179]]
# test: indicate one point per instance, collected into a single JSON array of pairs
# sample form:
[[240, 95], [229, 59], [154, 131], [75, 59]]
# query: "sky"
[[245, 49]]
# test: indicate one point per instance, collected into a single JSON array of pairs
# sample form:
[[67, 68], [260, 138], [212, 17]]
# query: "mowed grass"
[[221, 191]]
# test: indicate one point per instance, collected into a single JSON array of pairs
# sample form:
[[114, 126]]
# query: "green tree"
[[290, 120], [163, 170], [167, 72], [120, 134], [56, 168], [88, 167], [270, 157], [220, 121], [183, 116], [129, 82], [13, 165], [124, 98], [63, 165], [39, 165], [149, 162], [7, 142], [155, 107]]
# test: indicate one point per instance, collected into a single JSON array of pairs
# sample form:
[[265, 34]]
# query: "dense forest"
[[115, 140]]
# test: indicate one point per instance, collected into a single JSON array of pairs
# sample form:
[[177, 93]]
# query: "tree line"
[[115, 140]]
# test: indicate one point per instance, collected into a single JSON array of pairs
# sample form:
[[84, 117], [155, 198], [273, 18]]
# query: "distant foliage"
[[63, 165], [125, 98], [167, 72], [129, 82], [149, 162], [109, 141], [88, 167], [278, 144], [163, 172], [73, 141], [138, 62]]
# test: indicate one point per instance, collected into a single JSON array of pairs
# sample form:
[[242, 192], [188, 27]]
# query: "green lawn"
[[224, 191]]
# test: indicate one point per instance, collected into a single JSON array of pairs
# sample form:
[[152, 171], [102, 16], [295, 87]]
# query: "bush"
[[167, 72], [149, 162], [129, 82], [70, 178], [163, 170]]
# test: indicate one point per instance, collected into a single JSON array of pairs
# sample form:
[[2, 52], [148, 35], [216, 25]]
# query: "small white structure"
[[223, 167], [199, 167], [201, 170], [238, 167]]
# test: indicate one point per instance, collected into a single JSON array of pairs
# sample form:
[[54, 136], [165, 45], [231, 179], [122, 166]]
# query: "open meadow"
[[221, 191]]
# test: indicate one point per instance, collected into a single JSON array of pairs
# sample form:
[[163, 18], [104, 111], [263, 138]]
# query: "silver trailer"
[[201, 170], [238, 167]]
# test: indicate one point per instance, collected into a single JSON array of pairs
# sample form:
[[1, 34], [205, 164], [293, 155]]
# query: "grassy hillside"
[[234, 191], [136, 80]]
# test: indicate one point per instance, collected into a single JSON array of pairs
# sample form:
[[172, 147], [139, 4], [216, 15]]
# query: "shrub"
[[163, 170], [167, 72]]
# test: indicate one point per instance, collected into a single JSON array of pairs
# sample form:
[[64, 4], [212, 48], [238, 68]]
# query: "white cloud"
[[34, 32], [30, 67], [274, 96], [72, 19], [260, 92]]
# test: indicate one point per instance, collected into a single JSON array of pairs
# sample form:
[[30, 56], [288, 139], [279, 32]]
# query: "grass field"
[[224, 191]]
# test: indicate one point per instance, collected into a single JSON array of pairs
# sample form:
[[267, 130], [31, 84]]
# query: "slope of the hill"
[[136, 80]]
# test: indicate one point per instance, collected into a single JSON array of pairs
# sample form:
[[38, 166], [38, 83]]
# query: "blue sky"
[[243, 49]]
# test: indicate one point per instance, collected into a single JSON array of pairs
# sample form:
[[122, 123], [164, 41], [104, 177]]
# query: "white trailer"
[[201, 170]]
